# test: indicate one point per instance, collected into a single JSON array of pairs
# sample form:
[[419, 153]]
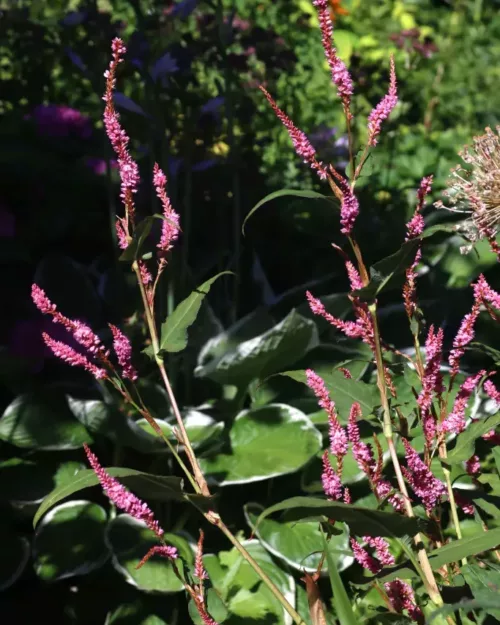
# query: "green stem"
[[184, 439], [217, 521]]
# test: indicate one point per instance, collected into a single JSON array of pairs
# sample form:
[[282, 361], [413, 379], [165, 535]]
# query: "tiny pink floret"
[[383, 109], [123, 351], [72, 357]]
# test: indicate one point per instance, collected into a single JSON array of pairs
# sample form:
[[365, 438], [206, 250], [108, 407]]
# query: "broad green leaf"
[[382, 272], [70, 541], [215, 607], [300, 545], [487, 603], [311, 195], [42, 421], [340, 599], [452, 552], [241, 590], [201, 429], [362, 521], [174, 335], [486, 349], [344, 392], [465, 442], [15, 555], [144, 485], [265, 442], [129, 540], [263, 355], [484, 583]]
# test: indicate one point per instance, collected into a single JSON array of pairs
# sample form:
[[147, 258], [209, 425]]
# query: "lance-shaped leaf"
[[174, 335], [141, 233], [262, 355], [311, 195], [341, 601], [144, 485], [465, 442], [383, 272], [362, 521]]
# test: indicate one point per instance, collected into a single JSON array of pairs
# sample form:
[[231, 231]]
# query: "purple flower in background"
[[54, 120], [74, 18], [98, 165], [331, 146], [7, 223], [166, 64], [182, 9], [204, 165], [213, 105]]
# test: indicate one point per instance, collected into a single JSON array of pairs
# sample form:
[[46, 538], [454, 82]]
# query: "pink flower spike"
[[455, 421], [383, 109], [381, 547], [170, 226], [129, 171], [402, 598], [121, 497], [363, 453], [424, 484], [349, 328], [199, 569], [340, 74], [41, 301], [423, 191], [492, 391], [464, 336], [432, 383], [482, 290], [338, 436], [354, 277], [364, 558], [330, 480], [349, 205], [466, 506], [121, 235], [301, 143], [383, 489], [473, 465], [165, 551], [123, 351], [72, 357]]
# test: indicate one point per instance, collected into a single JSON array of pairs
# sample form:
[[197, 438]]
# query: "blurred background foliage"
[[188, 97]]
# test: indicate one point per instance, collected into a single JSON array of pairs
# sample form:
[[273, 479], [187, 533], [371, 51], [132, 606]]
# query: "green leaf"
[[262, 355], [484, 583], [265, 442], [174, 335], [486, 604], [201, 430], [241, 590], [382, 272], [129, 540], [465, 442], [452, 552], [42, 421], [340, 599], [344, 392], [15, 555], [429, 232], [311, 195], [144, 485], [362, 521], [141, 233], [70, 541], [300, 545]]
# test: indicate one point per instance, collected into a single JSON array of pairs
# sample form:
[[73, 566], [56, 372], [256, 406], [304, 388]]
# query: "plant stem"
[[218, 522], [184, 439], [428, 574], [453, 504]]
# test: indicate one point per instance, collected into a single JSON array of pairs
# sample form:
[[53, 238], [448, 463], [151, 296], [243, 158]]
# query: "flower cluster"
[[414, 229], [340, 74], [383, 109], [301, 143], [455, 421], [476, 190], [427, 487], [85, 336], [432, 382], [402, 598]]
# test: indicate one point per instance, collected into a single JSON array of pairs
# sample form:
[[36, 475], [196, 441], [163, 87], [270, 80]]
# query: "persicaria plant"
[[407, 538]]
